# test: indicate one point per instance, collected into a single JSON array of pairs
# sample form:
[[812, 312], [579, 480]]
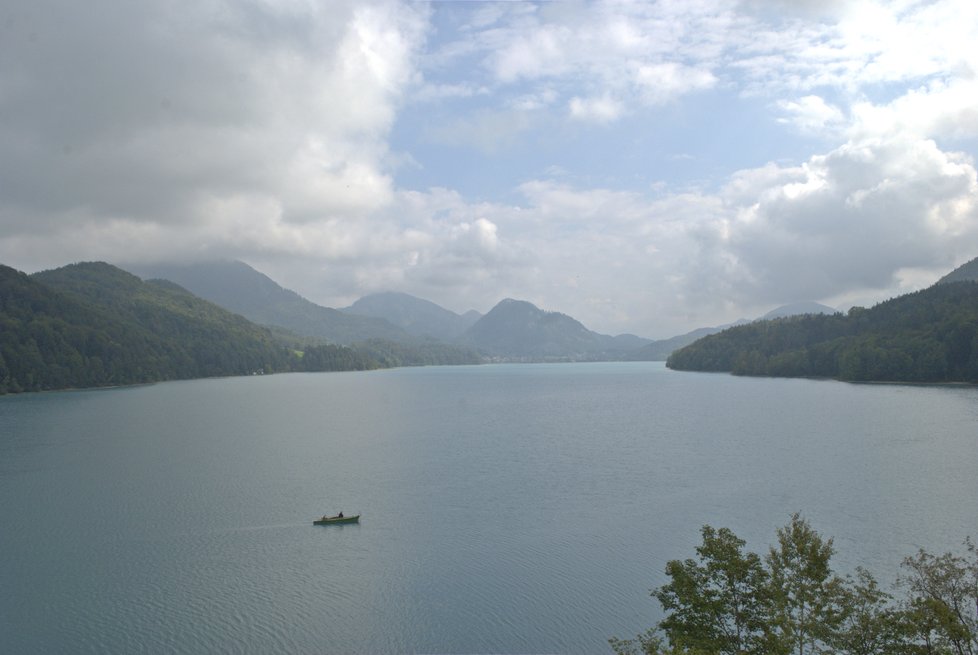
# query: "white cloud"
[[155, 114], [600, 110], [262, 130], [940, 109], [860, 44], [811, 114], [631, 55], [625, 53], [850, 219], [865, 219], [661, 82]]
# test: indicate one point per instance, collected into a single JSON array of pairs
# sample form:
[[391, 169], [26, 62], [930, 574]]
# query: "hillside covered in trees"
[[92, 325], [927, 336]]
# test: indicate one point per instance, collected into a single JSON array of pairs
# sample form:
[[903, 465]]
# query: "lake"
[[505, 508]]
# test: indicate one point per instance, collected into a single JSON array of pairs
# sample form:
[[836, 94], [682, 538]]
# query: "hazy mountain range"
[[513, 329], [422, 318], [93, 324], [241, 289]]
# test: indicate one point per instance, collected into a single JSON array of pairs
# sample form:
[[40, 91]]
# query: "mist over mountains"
[[512, 330], [94, 324], [421, 318], [238, 287]]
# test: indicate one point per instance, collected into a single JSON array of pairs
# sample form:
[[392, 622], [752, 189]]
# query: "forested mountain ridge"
[[926, 336], [239, 288], [91, 325]]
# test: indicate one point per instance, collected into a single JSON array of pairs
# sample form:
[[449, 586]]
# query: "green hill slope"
[[49, 341], [927, 336], [92, 324], [201, 338], [238, 287]]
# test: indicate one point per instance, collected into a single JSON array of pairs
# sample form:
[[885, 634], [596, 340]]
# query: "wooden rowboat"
[[329, 520]]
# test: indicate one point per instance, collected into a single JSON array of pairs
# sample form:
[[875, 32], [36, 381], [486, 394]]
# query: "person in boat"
[[340, 515]]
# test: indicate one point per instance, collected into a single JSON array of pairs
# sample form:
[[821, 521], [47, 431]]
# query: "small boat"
[[329, 520]]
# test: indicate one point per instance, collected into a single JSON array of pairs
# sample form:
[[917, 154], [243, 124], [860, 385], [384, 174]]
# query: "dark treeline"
[[92, 325], [927, 336], [417, 353], [329, 357], [790, 602]]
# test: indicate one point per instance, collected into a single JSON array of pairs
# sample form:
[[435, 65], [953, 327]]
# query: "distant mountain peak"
[[967, 272], [240, 288], [518, 328], [414, 315], [798, 308]]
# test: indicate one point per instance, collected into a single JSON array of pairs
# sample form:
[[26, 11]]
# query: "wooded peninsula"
[[929, 336]]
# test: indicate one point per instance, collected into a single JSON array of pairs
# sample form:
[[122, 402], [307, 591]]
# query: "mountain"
[[416, 316], [93, 324], [926, 336], [238, 287], [796, 309], [965, 273], [518, 329], [659, 351]]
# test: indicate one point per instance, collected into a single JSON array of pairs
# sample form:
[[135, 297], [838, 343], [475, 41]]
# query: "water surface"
[[510, 508]]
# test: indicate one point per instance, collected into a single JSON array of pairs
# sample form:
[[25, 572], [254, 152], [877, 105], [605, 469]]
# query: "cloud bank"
[[312, 139]]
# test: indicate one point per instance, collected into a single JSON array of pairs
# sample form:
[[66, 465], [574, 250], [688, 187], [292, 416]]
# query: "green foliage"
[[712, 601], [416, 353], [163, 331], [91, 325], [806, 598], [334, 358], [928, 336], [942, 607], [868, 623], [727, 600]]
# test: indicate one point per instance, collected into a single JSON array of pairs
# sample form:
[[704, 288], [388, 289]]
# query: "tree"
[[728, 601], [869, 624], [715, 603], [926, 336], [649, 643], [943, 605], [806, 599]]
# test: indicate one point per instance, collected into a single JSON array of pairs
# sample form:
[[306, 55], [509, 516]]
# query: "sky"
[[645, 167]]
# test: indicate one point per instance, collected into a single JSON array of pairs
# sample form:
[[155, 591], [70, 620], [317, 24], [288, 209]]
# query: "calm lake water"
[[506, 509]]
